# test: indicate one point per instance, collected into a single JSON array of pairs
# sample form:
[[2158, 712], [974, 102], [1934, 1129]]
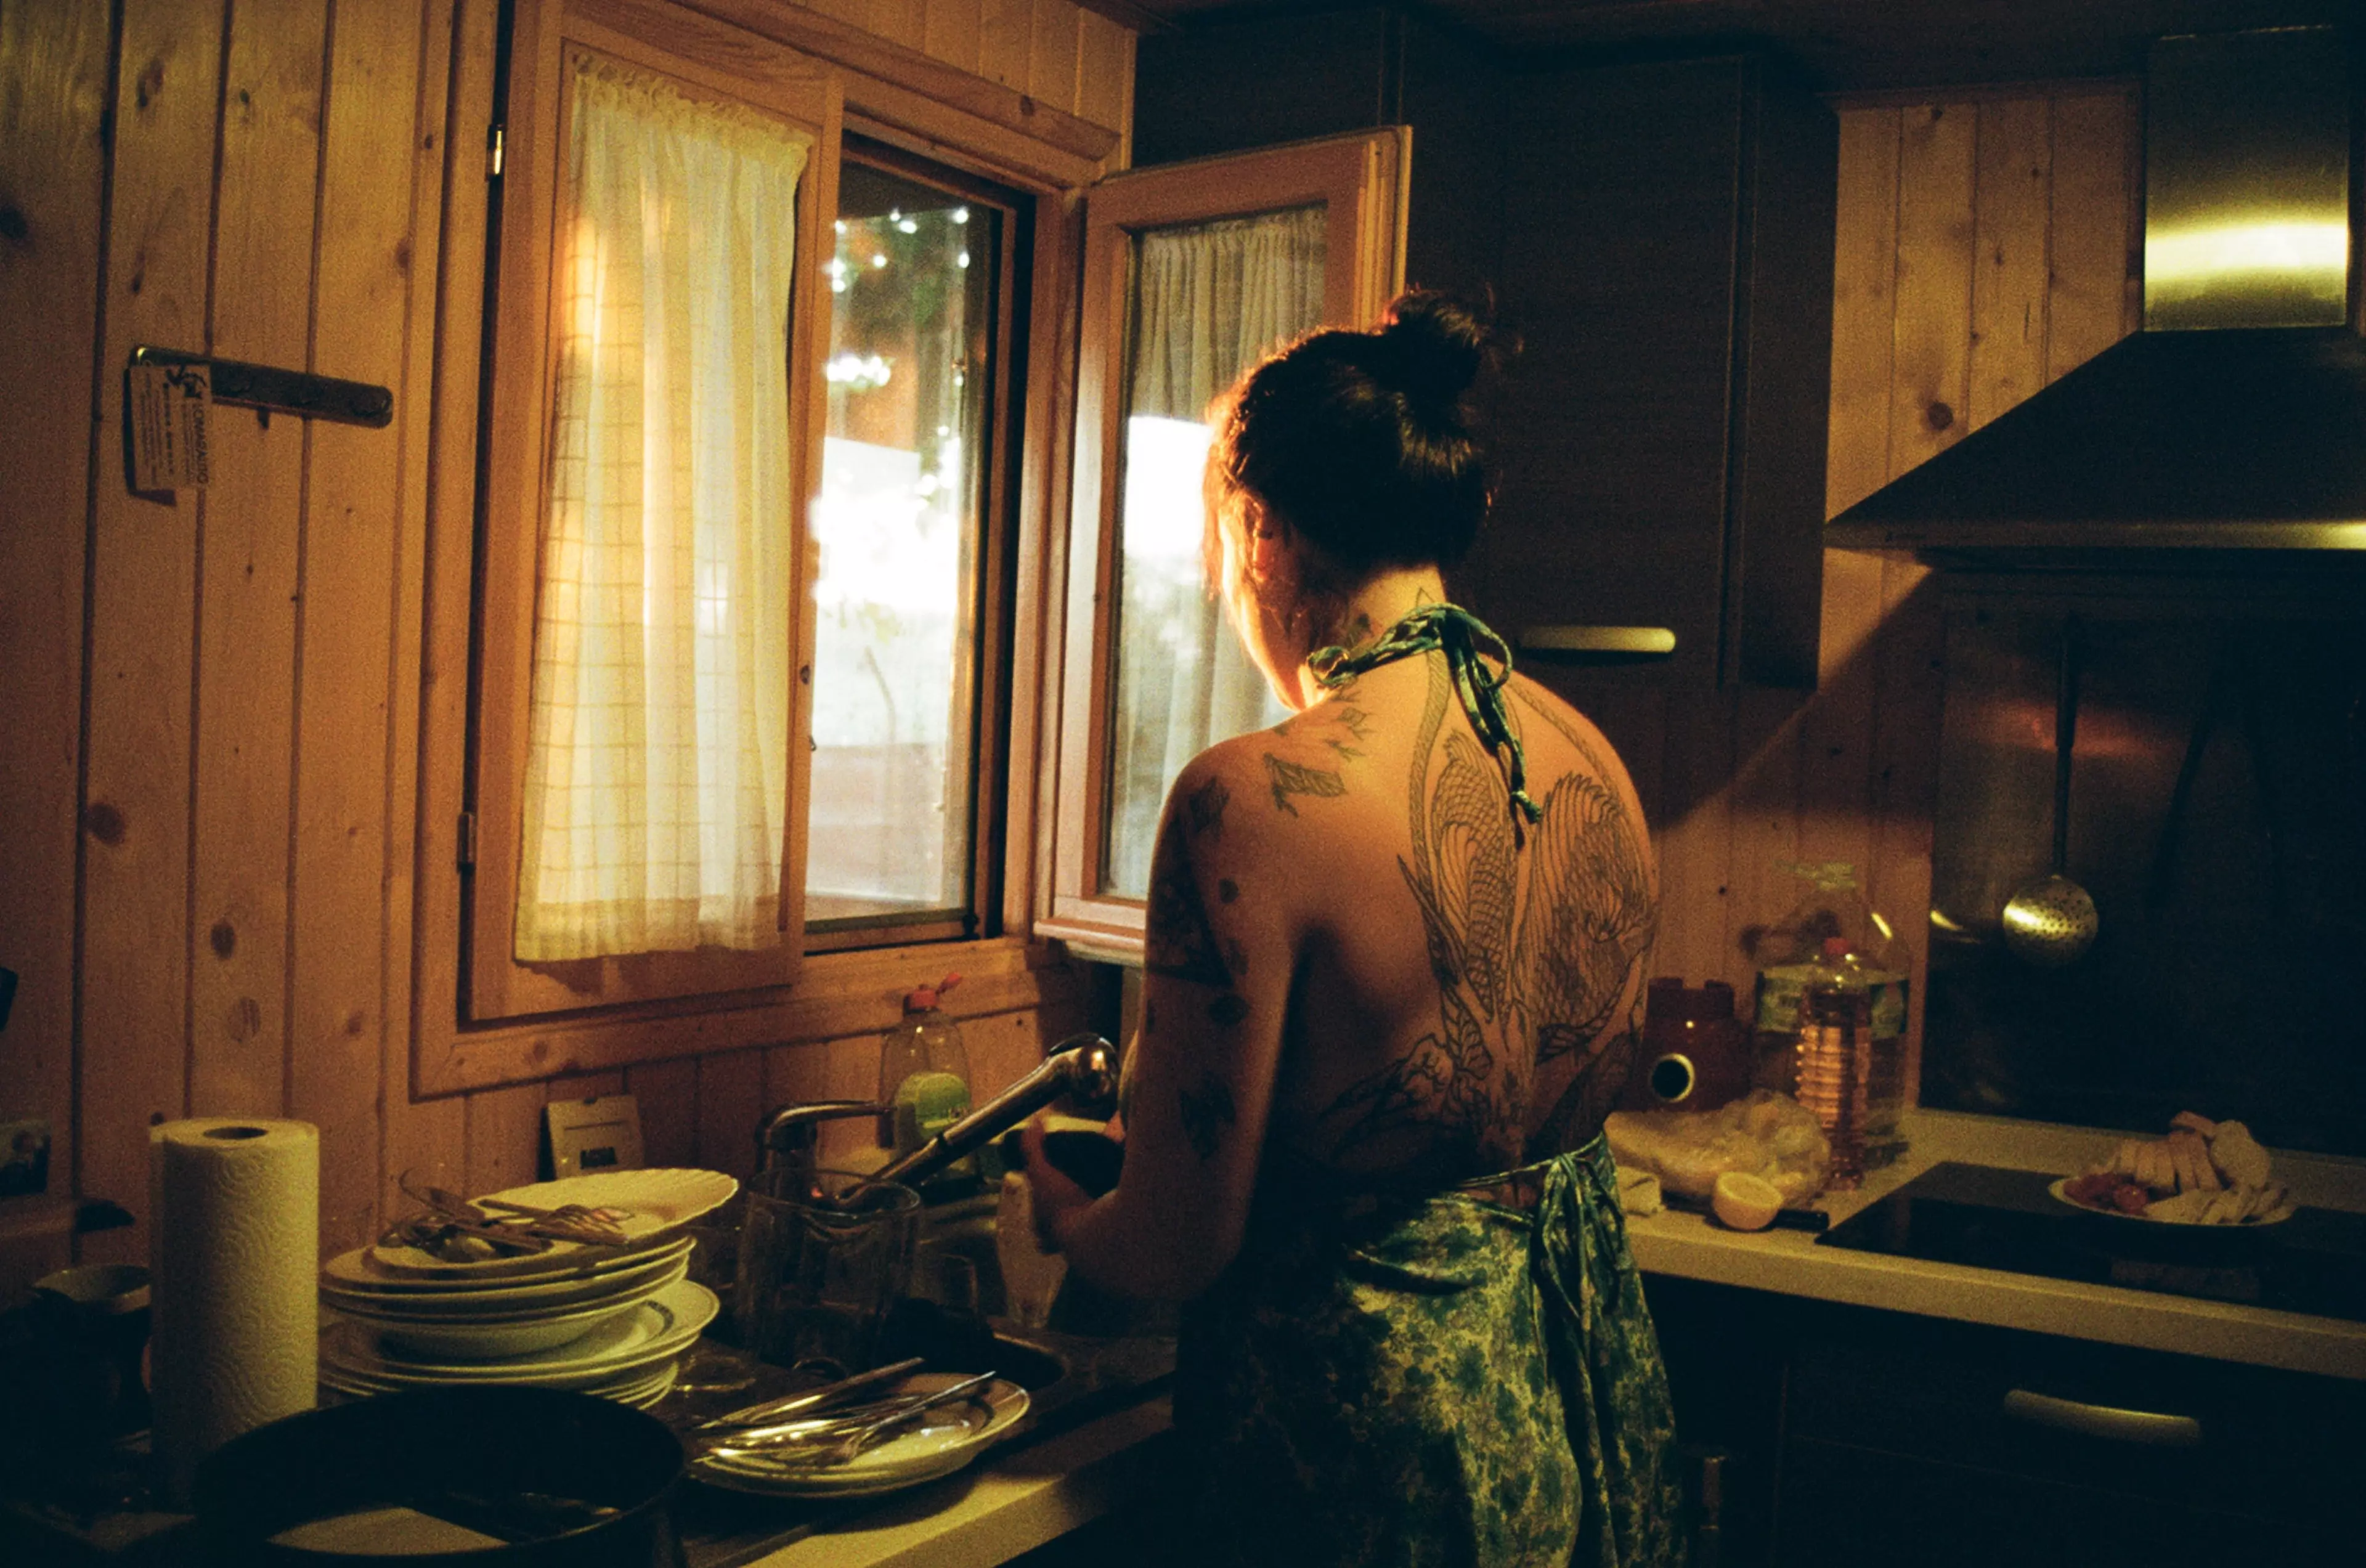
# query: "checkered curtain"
[[657, 772]]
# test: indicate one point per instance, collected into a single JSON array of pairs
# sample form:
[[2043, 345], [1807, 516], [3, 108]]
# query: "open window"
[[1193, 272]]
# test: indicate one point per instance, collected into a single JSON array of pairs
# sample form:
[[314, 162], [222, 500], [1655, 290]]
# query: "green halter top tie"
[[1460, 634]]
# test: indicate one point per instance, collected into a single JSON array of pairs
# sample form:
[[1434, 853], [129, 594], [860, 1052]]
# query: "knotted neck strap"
[[1460, 634]]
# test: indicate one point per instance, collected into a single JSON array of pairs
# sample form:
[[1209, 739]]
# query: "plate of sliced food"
[[2202, 1173]]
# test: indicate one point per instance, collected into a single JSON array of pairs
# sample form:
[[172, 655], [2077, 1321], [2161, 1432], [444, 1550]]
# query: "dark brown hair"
[[1361, 440]]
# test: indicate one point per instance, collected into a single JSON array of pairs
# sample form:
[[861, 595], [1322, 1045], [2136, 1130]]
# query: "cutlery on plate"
[[812, 1399], [810, 1452]]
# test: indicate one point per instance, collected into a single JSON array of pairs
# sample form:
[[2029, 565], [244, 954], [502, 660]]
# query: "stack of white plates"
[[610, 1321]]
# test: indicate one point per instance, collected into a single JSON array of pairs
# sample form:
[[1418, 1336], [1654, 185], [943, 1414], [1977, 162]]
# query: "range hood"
[[2235, 424]]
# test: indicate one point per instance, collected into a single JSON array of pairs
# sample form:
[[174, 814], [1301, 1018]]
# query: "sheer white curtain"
[[657, 772], [1210, 300]]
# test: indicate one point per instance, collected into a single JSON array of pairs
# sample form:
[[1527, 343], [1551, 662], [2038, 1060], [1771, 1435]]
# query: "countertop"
[[1020, 1499], [1790, 1262]]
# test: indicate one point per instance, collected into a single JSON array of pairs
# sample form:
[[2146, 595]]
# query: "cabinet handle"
[[1627, 641], [2104, 1421]]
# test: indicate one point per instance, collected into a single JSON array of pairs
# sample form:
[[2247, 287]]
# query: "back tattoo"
[[1532, 945]]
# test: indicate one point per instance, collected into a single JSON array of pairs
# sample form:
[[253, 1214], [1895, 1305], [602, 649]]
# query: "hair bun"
[[1439, 344]]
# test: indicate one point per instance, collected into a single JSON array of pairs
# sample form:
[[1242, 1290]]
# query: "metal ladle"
[[2051, 923]]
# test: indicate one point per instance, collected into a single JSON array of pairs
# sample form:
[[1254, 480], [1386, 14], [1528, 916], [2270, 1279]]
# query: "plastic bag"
[[1768, 1135]]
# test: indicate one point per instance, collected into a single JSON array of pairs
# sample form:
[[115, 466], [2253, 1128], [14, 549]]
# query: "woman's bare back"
[[1465, 984]]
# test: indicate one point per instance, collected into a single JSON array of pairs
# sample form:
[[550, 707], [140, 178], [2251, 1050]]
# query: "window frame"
[[516, 487], [936, 112], [1362, 176]]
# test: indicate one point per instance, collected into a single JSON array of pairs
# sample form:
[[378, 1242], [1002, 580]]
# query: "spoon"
[[2050, 922]]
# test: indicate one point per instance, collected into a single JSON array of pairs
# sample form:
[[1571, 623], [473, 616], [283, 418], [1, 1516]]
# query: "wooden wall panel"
[[54, 59], [1055, 32], [2093, 296], [135, 914], [2014, 173], [251, 516], [951, 31], [666, 1093], [1005, 35], [1930, 330], [1864, 278], [348, 577], [1104, 72]]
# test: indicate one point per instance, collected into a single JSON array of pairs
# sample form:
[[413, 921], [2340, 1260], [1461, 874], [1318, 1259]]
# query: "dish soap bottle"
[[1833, 1050], [924, 1078], [1787, 953]]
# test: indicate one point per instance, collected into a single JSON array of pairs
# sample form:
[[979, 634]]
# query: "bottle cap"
[[924, 999]]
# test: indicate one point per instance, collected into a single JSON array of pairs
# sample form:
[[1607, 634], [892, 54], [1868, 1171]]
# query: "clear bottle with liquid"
[[1833, 1056], [924, 1078], [1788, 952]]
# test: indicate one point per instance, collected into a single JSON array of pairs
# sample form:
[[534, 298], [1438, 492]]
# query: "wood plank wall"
[[1988, 243], [209, 770]]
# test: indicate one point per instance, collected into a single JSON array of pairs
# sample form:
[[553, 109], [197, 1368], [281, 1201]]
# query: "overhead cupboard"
[[813, 587]]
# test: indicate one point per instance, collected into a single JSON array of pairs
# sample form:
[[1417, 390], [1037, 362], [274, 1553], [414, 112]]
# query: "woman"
[[1394, 965]]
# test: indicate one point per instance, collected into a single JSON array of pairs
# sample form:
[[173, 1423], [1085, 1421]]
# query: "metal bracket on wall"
[[283, 391]]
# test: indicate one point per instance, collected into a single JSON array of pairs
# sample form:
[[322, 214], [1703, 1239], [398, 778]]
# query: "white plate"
[[945, 1441], [2274, 1216], [662, 1326], [644, 1392], [495, 1301], [644, 1204], [432, 1340], [564, 1266]]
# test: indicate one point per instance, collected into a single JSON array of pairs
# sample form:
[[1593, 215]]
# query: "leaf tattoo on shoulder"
[[1208, 1112], [1290, 778], [1177, 940]]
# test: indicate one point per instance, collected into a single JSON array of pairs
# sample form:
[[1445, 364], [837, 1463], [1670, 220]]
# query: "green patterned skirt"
[[1468, 1378]]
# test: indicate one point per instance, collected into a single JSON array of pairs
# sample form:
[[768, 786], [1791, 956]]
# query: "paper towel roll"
[[235, 1251]]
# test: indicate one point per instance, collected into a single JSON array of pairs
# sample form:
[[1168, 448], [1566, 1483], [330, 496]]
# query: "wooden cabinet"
[[1667, 255], [1660, 232], [1861, 1435]]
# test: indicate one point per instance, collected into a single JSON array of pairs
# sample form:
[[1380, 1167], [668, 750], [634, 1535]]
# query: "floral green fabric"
[[1468, 1378]]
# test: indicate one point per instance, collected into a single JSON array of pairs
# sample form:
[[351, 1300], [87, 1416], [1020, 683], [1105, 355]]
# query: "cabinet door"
[[1951, 1443], [1193, 272], [1667, 258]]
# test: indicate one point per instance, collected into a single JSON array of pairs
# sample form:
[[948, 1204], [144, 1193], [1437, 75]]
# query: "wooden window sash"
[[703, 58], [837, 993], [1358, 181]]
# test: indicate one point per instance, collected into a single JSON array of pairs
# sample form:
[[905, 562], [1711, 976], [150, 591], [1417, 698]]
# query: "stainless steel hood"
[[2236, 421]]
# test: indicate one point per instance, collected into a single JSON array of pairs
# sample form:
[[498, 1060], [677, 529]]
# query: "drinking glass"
[[823, 1255]]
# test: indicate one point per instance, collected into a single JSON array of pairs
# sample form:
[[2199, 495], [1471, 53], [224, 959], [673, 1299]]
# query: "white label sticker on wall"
[[166, 407]]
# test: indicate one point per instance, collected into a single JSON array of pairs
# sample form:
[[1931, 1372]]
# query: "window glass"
[[898, 521], [1207, 300]]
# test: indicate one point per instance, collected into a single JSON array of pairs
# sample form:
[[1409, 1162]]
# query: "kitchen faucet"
[[1083, 1067]]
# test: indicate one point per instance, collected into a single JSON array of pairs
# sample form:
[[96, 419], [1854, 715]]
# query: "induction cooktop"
[[1989, 1218]]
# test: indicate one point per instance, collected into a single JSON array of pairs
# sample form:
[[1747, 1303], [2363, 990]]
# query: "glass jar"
[[1791, 951]]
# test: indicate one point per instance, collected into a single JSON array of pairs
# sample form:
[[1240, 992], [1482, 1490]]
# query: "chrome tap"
[[786, 1137], [1083, 1067]]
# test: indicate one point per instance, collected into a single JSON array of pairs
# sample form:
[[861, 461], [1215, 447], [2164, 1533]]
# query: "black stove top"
[[1977, 1215]]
